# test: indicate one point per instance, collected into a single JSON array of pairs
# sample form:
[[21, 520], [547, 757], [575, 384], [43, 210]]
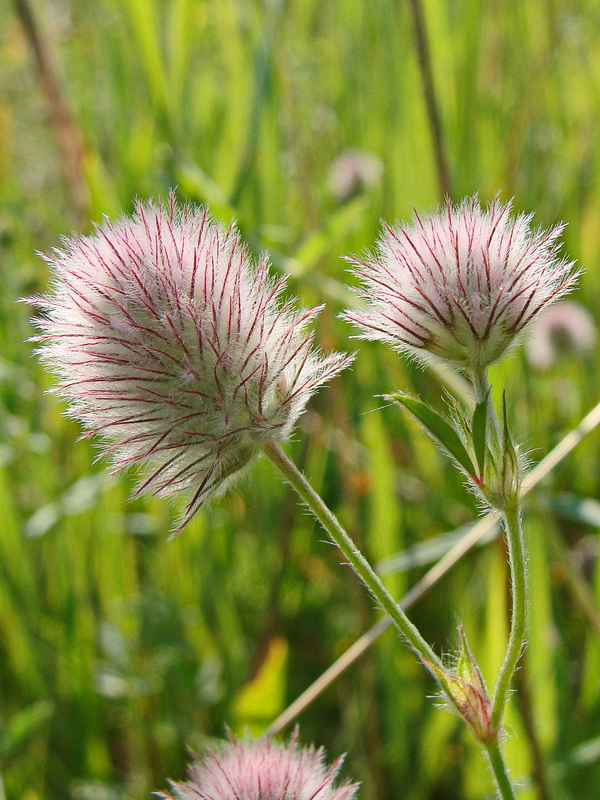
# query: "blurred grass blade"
[[196, 184], [585, 753], [258, 701], [318, 244], [430, 550], [180, 27], [144, 22], [19, 729]]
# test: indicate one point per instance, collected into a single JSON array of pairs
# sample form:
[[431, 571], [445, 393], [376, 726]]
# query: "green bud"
[[467, 692]]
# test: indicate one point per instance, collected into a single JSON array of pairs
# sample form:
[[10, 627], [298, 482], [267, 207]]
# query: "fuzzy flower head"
[[176, 349], [460, 286], [262, 769], [566, 329], [352, 172]]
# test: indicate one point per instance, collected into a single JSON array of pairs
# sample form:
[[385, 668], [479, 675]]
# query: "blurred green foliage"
[[118, 648]]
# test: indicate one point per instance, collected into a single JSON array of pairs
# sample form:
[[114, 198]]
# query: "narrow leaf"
[[438, 428], [480, 418], [505, 428]]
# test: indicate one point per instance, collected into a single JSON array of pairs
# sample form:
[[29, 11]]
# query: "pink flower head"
[[460, 286], [262, 769], [566, 329], [176, 349], [352, 172]]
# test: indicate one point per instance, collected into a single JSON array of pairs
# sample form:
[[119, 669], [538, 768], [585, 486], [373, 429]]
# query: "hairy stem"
[[516, 640], [355, 559], [481, 390], [511, 512], [473, 538], [503, 784], [481, 385]]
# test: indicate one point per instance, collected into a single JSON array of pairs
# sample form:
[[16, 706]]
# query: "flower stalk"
[[505, 495], [496, 759], [518, 575], [355, 559], [461, 693]]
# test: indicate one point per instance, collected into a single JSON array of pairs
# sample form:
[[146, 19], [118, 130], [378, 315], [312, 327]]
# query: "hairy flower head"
[[173, 346], [262, 769], [460, 286], [566, 329], [352, 172]]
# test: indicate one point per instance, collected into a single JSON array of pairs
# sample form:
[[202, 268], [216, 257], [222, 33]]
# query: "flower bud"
[[504, 468], [467, 693]]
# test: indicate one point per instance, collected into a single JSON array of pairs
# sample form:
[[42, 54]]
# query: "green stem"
[[481, 386], [494, 753], [355, 559], [511, 511], [481, 390], [518, 575]]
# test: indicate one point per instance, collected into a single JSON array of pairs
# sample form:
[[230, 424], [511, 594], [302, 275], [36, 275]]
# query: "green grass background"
[[119, 648]]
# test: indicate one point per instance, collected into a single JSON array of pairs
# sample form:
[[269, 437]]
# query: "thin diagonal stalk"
[[355, 559], [477, 532], [66, 132], [371, 580], [431, 104]]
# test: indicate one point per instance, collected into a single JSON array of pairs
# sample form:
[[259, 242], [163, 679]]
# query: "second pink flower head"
[[460, 286]]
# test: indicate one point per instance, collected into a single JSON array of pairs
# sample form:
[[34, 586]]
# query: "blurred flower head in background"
[[460, 286], [170, 343], [262, 769], [565, 329], [352, 172]]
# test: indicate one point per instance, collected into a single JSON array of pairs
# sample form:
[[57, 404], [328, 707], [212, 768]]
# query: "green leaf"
[[480, 417], [438, 428], [467, 668], [263, 698], [505, 427]]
